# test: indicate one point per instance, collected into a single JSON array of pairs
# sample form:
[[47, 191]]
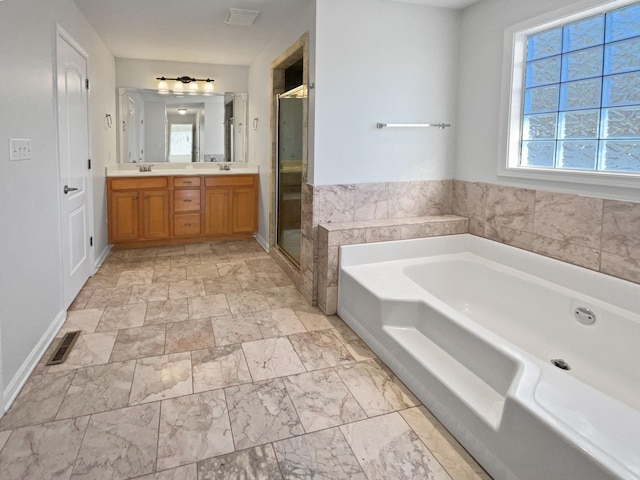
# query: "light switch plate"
[[19, 149]]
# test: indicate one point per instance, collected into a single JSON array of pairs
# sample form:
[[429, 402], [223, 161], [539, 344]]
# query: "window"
[[575, 102], [181, 142]]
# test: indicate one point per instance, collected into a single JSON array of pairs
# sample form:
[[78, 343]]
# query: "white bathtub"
[[471, 326]]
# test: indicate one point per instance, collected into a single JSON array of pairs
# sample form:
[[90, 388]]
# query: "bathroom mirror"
[[180, 128]]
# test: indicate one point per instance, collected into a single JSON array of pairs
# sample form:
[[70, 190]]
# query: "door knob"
[[68, 189]]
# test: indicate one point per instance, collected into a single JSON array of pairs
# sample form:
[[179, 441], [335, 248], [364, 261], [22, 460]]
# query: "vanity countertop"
[[181, 169]]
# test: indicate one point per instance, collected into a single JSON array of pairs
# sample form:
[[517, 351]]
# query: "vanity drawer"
[[186, 200], [186, 224], [229, 180], [131, 183], [186, 182]]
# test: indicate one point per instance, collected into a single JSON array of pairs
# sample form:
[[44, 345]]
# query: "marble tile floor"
[[204, 362]]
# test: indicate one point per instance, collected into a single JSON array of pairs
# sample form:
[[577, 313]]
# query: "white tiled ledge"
[[177, 169], [332, 235]]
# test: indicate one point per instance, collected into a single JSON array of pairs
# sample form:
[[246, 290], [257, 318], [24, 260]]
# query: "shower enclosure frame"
[[302, 272]]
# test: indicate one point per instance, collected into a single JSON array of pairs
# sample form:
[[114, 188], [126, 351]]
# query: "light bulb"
[[178, 86], [208, 86], [163, 86], [193, 86]]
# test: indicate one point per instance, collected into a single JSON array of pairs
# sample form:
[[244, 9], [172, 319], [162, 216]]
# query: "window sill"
[[619, 180]]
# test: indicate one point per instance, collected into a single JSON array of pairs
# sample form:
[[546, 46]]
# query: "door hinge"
[[86, 83], [91, 241], [89, 163]]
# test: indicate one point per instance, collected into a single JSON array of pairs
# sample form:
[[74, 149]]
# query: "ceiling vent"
[[239, 16]]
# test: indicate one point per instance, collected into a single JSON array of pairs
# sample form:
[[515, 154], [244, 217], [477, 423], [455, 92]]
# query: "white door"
[[73, 154]]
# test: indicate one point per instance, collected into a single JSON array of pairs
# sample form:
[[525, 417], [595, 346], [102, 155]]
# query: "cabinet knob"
[[146, 197], [135, 198], [226, 194]]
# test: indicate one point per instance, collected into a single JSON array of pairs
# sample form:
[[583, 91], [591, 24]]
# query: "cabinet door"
[[244, 210], [216, 211], [124, 216], [156, 214]]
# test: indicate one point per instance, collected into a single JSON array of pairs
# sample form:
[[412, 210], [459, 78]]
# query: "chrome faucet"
[[145, 168]]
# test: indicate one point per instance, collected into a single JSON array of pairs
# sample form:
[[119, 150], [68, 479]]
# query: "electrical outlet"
[[20, 149]]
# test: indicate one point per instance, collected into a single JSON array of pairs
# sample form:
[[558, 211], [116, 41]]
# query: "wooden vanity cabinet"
[[138, 209], [124, 216], [181, 209], [217, 201], [155, 214], [231, 205], [244, 207]]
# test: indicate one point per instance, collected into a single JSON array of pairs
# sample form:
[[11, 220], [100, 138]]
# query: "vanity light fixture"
[[163, 86], [184, 84]]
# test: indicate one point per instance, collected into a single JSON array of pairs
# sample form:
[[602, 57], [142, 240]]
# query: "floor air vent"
[[62, 352]]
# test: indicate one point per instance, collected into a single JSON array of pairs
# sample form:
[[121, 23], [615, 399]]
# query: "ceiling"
[[194, 30]]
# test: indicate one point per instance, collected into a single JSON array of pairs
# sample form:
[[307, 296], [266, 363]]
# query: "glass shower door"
[[289, 165]]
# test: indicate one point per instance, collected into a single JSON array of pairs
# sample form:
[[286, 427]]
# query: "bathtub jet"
[[470, 325], [560, 363]]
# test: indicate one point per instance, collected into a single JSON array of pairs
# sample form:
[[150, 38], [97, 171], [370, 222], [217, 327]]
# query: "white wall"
[[260, 95], [480, 87], [30, 259], [102, 102], [142, 74], [390, 62]]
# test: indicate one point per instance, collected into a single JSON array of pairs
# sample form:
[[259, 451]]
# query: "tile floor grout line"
[[226, 401], [349, 390], [75, 371], [444, 469], [193, 382], [351, 448], [155, 464], [84, 435], [293, 404], [133, 377]]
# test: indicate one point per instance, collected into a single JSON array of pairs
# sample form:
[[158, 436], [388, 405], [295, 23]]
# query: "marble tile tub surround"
[[595, 233], [332, 235], [599, 234], [378, 201], [361, 202], [199, 392]]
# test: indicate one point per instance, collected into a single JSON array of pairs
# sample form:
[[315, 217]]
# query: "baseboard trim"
[[31, 362], [263, 243], [103, 256]]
